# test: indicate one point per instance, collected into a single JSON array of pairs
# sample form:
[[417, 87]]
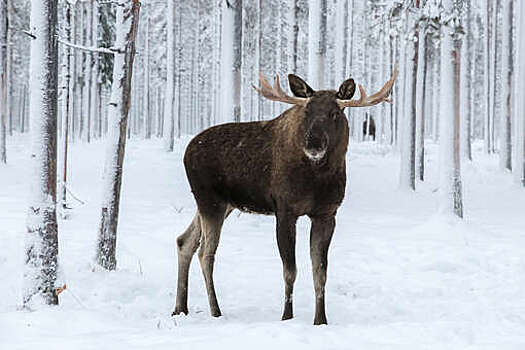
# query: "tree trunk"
[[451, 201], [127, 20], [169, 121], [146, 112], [467, 96], [65, 103], [520, 97], [41, 246], [295, 40], [488, 76], [422, 112], [505, 153], [408, 154], [4, 23], [321, 50], [237, 60]]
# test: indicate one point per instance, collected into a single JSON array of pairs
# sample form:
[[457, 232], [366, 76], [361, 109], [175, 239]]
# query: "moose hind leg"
[[187, 244], [211, 225], [320, 237], [286, 241]]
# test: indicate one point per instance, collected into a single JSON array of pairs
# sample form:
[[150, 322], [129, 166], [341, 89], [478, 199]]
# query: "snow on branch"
[[104, 50]]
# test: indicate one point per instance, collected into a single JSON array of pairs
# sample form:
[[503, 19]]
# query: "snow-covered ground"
[[400, 277]]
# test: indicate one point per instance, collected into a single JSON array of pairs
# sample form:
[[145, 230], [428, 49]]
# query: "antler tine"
[[366, 101], [275, 93]]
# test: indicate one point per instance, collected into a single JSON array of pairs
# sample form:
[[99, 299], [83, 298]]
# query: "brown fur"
[[262, 167]]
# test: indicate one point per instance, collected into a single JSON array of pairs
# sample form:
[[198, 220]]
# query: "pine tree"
[[41, 248]]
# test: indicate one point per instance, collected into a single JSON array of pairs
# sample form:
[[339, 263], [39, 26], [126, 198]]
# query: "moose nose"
[[317, 141]]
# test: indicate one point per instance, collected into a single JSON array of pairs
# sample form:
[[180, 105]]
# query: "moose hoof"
[[287, 317], [288, 313], [216, 312], [180, 310], [319, 321]]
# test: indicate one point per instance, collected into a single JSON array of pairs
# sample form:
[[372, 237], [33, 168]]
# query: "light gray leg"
[[187, 244]]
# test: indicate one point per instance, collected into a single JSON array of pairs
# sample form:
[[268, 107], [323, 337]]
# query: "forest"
[[99, 99]]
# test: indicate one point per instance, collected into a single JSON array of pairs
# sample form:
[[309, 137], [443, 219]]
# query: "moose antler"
[[378, 97], [275, 93]]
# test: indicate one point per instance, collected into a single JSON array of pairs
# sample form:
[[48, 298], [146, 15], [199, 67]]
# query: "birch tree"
[[451, 199], [4, 23], [41, 247], [65, 102], [237, 59], [169, 127], [127, 27], [408, 150], [505, 99], [519, 168], [317, 42]]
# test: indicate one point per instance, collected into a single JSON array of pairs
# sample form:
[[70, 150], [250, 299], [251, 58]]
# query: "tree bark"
[[41, 248], [237, 60], [65, 102], [127, 21], [4, 23], [169, 121]]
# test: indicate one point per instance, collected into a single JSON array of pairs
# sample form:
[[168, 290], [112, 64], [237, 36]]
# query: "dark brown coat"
[[290, 166]]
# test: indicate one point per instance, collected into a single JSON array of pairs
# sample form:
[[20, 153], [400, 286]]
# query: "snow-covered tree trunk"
[[127, 20], [65, 103], [295, 36], [497, 103], [146, 111], [41, 241], [169, 118], [505, 153], [489, 34], [317, 43], [3, 79], [237, 59], [451, 200], [10, 65], [467, 86], [226, 61], [408, 152], [93, 79], [519, 168], [421, 103]]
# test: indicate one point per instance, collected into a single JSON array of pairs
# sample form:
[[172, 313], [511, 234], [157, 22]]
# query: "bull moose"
[[290, 166]]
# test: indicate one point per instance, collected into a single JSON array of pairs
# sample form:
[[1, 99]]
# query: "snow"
[[400, 276]]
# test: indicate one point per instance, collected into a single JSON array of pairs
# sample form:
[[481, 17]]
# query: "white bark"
[[169, 95], [3, 79], [146, 106], [450, 169], [226, 64], [519, 164], [127, 26]]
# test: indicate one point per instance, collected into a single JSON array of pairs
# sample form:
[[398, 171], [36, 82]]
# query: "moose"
[[290, 166], [369, 128]]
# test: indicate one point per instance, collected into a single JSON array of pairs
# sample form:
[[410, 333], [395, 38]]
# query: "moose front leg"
[[320, 237], [286, 242]]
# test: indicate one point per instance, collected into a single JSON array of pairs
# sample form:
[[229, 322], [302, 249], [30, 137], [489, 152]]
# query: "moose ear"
[[346, 90], [299, 87]]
